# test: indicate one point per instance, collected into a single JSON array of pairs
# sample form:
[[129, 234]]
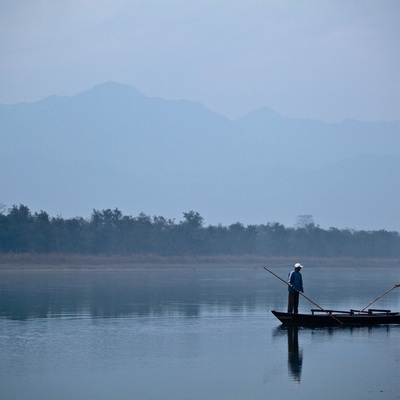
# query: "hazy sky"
[[315, 59]]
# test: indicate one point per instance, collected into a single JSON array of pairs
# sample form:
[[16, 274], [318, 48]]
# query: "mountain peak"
[[265, 113], [112, 89]]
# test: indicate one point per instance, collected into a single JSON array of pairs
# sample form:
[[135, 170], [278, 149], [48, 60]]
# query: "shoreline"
[[60, 262]]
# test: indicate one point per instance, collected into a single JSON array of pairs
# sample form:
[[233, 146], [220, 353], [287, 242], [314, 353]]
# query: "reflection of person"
[[296, 285], [295, 356]]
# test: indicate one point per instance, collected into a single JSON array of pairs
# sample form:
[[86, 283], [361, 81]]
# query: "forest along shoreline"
[[59, 262]]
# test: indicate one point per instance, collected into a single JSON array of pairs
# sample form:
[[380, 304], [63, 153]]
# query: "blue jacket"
[[295, 279]]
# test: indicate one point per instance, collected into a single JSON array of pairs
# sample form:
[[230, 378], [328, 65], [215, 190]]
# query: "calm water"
[[193, 333]]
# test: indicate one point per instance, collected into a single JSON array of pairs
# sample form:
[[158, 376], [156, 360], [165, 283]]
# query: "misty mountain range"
[[112, 146]]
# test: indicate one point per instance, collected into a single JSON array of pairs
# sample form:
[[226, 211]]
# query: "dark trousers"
[[293, 303]]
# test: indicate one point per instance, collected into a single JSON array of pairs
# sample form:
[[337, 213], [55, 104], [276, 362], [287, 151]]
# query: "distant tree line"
[[108, 232]]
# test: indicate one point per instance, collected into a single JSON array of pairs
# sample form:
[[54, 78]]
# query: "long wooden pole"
[[290, 285], [383, 294]]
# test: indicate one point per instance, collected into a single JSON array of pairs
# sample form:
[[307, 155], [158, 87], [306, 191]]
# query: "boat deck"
[[339, 318]]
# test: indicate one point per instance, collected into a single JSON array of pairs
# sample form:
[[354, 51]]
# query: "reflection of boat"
[[339, 318]]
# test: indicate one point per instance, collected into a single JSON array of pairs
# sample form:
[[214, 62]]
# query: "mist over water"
[[191, 332]]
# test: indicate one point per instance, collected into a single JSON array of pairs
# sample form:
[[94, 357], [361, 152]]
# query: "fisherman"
[[295, 281]]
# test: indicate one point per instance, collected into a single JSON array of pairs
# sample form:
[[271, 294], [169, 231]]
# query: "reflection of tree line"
[[117, 294], [110, 232]]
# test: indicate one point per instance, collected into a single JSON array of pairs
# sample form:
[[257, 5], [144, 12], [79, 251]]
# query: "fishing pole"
[[290, 285], [383, 294]]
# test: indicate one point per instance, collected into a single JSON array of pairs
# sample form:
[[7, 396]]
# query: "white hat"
[[297, 265]]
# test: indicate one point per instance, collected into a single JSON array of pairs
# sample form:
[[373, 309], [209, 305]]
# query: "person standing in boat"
[[296, 286]]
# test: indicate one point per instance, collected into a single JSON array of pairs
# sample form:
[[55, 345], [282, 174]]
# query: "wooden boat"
[[319, 318]]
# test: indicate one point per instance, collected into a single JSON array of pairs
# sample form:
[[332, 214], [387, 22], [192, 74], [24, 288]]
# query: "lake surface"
[[193, 332]]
